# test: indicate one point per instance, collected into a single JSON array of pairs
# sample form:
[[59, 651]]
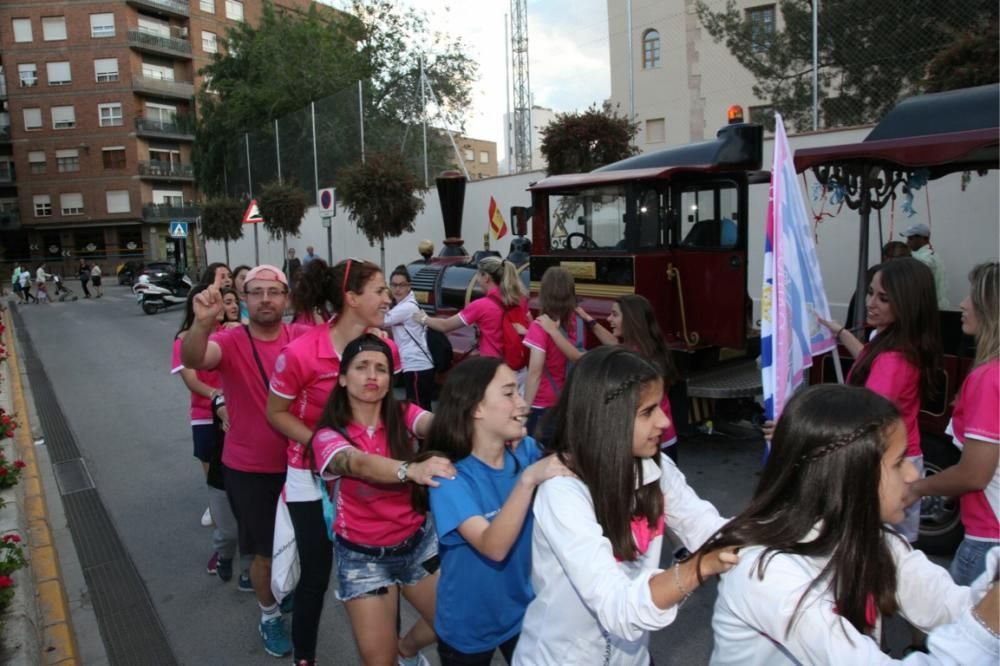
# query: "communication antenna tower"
[[522, 85]]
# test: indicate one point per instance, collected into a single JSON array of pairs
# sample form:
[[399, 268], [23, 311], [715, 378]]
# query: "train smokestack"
[[451, 194]]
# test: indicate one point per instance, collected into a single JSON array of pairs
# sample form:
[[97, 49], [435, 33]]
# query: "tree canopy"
[[282, 206], [581, 142], [270, 70], [381, 196], [870, 54]]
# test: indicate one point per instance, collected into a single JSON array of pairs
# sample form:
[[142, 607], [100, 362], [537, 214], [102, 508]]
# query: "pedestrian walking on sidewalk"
[[15, 283], [95, 279], [24, 279], [84, 272]]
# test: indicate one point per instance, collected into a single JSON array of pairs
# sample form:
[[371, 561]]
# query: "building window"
[[102, 25], [208, 6], [54, 28], [118, 201], [71, 203], [763, 115], [161, 71], [114, 157], [27, 74], [152, 26], [209, 42], [761, 27], [650, 49], [234, 10], [67, 160], [32, 119], [63, 117], [6, 170], [484, 157], [58, 73], [22, 30], [161, 114], [110, 115], [36, 162], [43, 205], [469, 154], [168, 197], [655, 130], [106, 69]]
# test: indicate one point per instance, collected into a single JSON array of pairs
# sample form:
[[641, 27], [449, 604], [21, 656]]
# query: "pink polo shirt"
[[895, 378], [371, 514], [252, 445], [305, 373], [554, 371], [201, 407], [488, 315], [977, 416]]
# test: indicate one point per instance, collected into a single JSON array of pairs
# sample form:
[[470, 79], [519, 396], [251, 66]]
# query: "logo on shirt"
[[279, 364]]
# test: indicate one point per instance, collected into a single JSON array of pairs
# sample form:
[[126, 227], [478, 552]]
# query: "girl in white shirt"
[[819, 564], [597, 538]]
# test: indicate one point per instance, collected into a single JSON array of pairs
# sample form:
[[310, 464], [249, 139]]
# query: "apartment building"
[[96, 126]]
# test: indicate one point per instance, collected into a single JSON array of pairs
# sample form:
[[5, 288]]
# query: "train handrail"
[[690, 339]]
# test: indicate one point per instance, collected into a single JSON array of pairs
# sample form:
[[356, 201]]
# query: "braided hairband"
[[621, 388], [838, 443]]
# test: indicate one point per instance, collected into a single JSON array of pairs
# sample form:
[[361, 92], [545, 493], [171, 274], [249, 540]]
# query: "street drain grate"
[[129, 625]]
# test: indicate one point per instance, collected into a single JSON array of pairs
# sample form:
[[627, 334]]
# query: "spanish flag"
[[497, 224]]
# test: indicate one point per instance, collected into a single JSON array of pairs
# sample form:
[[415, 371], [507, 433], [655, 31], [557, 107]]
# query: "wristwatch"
[[401, 472]]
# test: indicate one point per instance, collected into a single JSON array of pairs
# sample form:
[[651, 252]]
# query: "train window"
[[588, 220], [709, 215]]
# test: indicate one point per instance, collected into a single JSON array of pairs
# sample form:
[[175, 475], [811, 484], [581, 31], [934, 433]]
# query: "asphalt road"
[[109, 364]]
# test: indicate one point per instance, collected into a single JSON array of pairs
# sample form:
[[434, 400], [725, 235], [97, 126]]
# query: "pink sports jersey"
[[305, 373], [252, 445], [201, 407], [372, 514], [895, 378], [977, 416], [554, 370], [486, 313]]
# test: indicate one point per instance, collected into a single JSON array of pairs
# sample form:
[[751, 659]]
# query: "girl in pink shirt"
[[633, 324], [364, 440], [902, 359], [975, 426], [499, 279]]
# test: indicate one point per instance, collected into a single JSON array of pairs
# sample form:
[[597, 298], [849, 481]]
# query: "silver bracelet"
[[680, 586]]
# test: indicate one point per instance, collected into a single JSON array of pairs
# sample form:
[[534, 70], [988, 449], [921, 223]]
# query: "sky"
[[567, 54]]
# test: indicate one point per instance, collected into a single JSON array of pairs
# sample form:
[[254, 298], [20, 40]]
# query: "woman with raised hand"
[[819, 565], [597, 538], [975, 425]]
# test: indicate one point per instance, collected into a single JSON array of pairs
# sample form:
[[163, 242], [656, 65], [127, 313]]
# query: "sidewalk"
[[50, 620]]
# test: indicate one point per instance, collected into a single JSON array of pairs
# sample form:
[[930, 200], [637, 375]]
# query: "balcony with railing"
[[4, 133], [168, 7], [179, 128], [150, 43], [162, 170], [161, 213], [160, 87]]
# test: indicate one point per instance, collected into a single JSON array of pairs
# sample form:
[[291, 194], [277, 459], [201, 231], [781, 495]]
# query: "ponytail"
[[504, 274]]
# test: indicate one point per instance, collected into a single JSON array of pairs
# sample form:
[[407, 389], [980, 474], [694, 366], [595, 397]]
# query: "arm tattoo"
[[341, 463]]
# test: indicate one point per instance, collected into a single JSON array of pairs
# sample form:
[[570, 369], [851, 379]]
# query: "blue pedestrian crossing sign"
[[178, 229]]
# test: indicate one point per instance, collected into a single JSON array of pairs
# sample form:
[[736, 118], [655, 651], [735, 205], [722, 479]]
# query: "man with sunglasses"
[[254, 453]]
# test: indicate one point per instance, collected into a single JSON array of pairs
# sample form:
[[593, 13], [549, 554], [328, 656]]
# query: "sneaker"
[[275, 637], [244, 584], [225, 569], [288, 604], [213, 565], [206, 518], [416, 660], [304, 662]]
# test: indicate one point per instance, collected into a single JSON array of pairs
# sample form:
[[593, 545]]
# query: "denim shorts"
[[369, 574], [970, 560]]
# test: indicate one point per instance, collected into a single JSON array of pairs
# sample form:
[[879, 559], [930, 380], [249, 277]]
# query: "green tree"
[[291, 59], [581, 142], [970, 60], [222, 220], [381, 196], [870, 54], [282, 205]]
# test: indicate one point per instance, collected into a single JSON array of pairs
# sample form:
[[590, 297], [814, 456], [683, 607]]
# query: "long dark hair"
[[595, 419], [916, 331], [225, 291], [823, 473], [349, 275], [189, 309], [208, 275], [641, 333], [337, 412], [557, 294], [453, 429], [312, 287]]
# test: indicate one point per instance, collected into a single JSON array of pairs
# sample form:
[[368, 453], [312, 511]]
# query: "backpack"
[[579, 344], [514, 353], [442, 353]]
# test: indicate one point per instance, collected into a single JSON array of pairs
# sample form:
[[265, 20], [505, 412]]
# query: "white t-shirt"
[[409, 335]]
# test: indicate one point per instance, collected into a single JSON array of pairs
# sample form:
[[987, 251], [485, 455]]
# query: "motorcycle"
[[154, 296]]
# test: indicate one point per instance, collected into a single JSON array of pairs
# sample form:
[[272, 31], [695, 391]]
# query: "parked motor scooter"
[[155, 296]]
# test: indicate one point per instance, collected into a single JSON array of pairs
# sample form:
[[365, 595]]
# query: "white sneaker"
[[416, 660], [206, 518]]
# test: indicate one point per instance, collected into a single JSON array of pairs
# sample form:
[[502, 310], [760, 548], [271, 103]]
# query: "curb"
[[58, 640]]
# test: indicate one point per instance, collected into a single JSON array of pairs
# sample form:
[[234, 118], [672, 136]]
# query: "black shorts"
[[96, 280], [204, 441], [253, 497]]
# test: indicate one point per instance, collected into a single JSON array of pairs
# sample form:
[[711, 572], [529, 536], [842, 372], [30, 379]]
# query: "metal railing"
[[175, 6], [142, 83], [145, 40], [158, 168], [162, 212], [163, 127]]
